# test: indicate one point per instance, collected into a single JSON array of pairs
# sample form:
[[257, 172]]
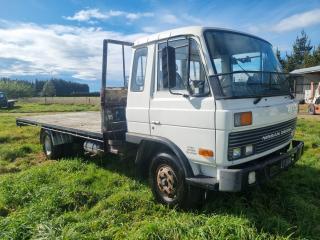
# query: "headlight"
[[248, 150], [243, 151], [236, 153]]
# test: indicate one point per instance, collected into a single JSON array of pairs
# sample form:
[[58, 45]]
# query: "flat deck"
[[86, 124]]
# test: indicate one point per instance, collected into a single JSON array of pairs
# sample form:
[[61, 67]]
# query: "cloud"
[[90, 15], [169, 18], [31, 49], [150, 29], [166, 20], [253, 29], [300, 20], [135, 16], [180, 20], [86, 15], [66, 50]]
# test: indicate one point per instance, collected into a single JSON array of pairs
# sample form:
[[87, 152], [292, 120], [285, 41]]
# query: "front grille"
[[263, 139]]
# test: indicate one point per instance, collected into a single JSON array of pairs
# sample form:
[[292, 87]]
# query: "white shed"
[[304, 79]]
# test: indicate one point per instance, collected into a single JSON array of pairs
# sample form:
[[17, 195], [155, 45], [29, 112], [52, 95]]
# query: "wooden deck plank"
[[83, 121]]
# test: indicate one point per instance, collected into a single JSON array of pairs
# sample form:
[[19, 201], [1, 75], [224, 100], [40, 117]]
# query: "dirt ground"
[[303, 113]]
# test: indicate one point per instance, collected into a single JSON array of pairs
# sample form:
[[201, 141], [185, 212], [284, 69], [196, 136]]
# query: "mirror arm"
[[201, 94], [175, 93]]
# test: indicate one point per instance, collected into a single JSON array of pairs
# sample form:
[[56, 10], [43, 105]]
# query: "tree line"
[[303, 54], [49, 88]]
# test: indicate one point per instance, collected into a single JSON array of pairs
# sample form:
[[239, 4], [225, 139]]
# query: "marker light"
[[242, 119], [236, 153], [205, 152]]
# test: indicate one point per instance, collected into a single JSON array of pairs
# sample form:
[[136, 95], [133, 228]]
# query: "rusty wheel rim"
[[166, 182]]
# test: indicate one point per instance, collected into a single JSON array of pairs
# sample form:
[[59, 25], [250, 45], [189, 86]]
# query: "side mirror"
[[169, 66]]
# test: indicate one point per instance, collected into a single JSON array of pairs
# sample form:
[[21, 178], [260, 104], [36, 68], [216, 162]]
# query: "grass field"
[[100, 198]]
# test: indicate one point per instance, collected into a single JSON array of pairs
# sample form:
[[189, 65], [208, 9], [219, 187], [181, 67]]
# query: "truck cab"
[[215, 100]]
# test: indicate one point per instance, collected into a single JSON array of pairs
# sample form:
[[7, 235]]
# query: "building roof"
[[192, 30], [307, 70]]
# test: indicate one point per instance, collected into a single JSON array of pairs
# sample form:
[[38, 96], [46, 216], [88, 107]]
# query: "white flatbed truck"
[[205, 108]]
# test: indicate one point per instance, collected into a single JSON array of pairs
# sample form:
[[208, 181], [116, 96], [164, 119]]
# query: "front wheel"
[[168, 183]]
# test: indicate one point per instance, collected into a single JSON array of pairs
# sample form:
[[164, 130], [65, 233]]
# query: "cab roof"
[[192, 30]]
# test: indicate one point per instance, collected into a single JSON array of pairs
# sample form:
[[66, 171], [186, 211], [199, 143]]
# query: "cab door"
[[187, 121], [137, 111]]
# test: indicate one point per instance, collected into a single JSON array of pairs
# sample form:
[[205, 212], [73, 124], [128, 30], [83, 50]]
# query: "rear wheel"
[[51, 151], [311, 109], [168, 183]]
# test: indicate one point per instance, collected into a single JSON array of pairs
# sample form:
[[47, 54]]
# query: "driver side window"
[[181, 53], [195, 78]]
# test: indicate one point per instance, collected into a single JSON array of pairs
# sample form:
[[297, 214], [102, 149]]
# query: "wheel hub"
[[47, 145], [166, 181]]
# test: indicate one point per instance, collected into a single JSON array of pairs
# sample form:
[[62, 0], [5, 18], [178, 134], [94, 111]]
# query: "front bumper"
[[236, 179]]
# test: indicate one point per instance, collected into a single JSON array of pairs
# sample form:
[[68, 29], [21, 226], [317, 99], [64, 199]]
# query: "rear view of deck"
[[81, 124]]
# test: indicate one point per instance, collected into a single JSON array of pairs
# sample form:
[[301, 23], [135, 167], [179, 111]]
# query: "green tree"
[[49, 89], [280, 59], [301, 50], [15, 88], [313, 59]]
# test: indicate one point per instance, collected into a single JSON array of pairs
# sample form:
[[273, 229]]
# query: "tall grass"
[[101, 198]]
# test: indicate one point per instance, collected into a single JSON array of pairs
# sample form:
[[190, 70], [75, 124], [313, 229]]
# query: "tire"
[[168, 183], [10, 105], [311, 109], [51, 151]]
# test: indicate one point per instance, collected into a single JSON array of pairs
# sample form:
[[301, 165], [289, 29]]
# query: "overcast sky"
[[63, 38]]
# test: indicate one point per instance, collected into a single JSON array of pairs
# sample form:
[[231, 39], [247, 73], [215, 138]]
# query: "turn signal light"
[[205, 152], [242, 119]]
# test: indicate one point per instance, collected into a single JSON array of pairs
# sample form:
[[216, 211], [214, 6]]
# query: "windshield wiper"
[[236, 61], [257, 100], [291, 95]]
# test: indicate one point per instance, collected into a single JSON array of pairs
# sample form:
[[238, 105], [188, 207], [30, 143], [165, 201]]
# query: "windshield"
[[245, 66]]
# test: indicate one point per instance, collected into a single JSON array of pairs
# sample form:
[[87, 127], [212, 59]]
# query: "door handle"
[[155, 122]]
